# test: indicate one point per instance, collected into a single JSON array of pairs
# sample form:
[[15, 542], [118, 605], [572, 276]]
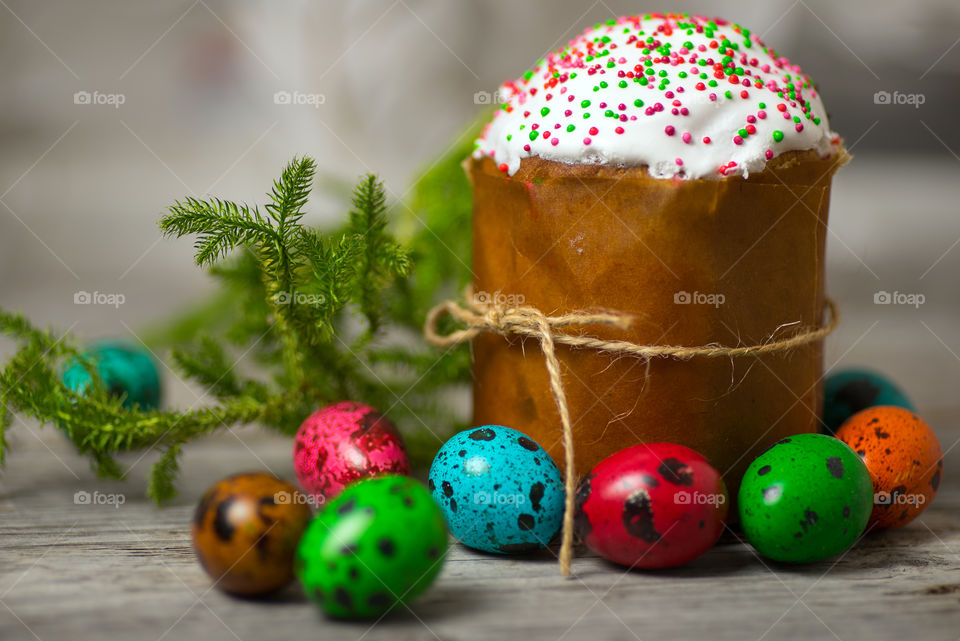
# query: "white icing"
[[644, 140]]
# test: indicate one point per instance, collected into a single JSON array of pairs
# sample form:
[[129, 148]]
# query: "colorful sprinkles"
[[669, 83]]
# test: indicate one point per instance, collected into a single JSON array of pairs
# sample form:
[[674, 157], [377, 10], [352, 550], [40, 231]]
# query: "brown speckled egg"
[[245, 532], [904, 459]]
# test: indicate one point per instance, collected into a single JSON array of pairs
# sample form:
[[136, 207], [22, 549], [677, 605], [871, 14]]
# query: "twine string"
[[529, 321]]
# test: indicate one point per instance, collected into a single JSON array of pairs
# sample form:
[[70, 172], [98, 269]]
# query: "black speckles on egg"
[[453, 505], [353, 573], [517, 548], [347, 506], [638, 517], [835, 466], [202, 507], [676, 472], [783, 441], [432, 552], [536, 494], [431, 485], [343, 597], [526, 522], [649, 480], [581, 522], [858, 394], [221, 522], [348, 549], [447, 489], [763, 471], [387, 547], [810, 519], [527, 444], [880, 433], [483, 434], [846, 511], [379, 600], [462, 453]]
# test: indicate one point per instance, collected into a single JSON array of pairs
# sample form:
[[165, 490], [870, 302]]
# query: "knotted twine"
[[524, 320]]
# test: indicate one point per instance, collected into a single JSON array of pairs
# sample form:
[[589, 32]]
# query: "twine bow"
[[529, 321]]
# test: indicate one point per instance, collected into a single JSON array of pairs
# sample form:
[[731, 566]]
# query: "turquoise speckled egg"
[[807, 498], [498, 489], [127, 371], [849, 391]]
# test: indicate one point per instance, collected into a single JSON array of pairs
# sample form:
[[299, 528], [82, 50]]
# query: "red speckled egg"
[[904, 458], [653, 505], [343, 443]]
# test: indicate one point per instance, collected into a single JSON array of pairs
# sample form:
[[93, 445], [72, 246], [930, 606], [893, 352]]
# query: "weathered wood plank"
[[96, 571]]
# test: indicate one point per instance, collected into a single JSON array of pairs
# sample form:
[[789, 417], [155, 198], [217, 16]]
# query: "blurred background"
[[112, 110]]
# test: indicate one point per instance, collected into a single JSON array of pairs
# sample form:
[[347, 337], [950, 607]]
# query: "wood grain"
[[94, 572]]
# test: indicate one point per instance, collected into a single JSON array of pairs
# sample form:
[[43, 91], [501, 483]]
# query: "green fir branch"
[[289, 297]]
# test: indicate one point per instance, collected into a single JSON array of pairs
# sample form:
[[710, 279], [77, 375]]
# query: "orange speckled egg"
[[904, 459], [245, 532]]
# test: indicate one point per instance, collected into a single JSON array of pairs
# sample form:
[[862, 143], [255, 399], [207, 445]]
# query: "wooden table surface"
[[84, 571]]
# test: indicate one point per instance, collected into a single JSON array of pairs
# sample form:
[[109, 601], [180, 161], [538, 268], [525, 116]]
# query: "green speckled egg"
[[127, 371], [380, 543], [806, 498]]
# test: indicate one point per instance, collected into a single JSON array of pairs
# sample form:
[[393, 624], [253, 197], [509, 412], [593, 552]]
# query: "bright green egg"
[[807, 498], [127, 370], [379, 544]]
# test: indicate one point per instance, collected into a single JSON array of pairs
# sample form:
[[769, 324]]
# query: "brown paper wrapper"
[[566, 238]]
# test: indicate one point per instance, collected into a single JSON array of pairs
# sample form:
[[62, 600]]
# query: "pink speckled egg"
[[343, 443]]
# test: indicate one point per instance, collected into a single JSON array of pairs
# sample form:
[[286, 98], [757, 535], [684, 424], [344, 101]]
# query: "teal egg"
[[127, 371], [807, 498], [849, 391], [499, 490]]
